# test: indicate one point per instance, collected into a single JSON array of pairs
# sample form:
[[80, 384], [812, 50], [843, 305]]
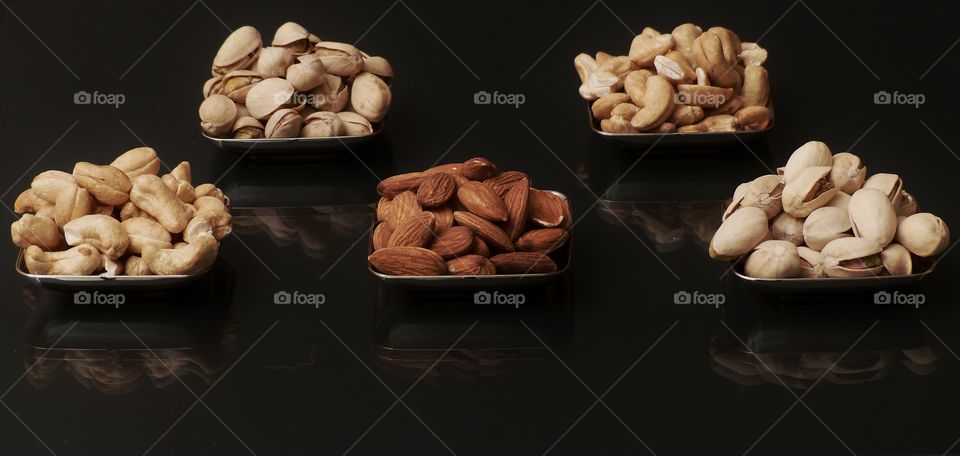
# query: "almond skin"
[[443, 218], [416, 231], [480, 248], [456, 241], [394, 185], [545, 208], [436, 190], [516, 202], [482, 200], [471, 265], [402, 207], [408, 261], [523, 263], [542, 240], [478, 169], [490, 233], [502, 182], [449, 168], [383, 208], [381, 235]]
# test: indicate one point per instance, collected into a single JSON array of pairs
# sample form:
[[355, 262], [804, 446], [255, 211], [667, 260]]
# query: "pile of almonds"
[[821, 215], [685, 81], [120, 219], [467, 219], [300, 86]]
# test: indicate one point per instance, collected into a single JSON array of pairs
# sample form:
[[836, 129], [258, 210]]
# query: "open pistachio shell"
[[786, 227], [890, 184], [896, 260], [872, 216], [739, 233], [292, 36], [238, 52], [236, 84], [306, 76], [268, 96], [811, 154], [765, 192], [285, 123], [354, 124], [370, 97], [322, 124], [774, 260], [738, 195], [808, 190], [841, 200], [908, 205], [848, 172], [333, 95], [273, 62], [824, 225], [217, 114], [210, 86], [247, 128], [811, 263], [378, 66], [924, 234], [851, 257], [341, 59]]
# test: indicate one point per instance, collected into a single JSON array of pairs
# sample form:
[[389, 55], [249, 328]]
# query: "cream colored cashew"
[[48, 185], [195, 258], [182, 188], [134, 162], [135, 266], [83, 259], [130, 210], [143, 232], [111, 267], [28, 202], [101, 231], [36, 230], [107, 184], [151, 195], [73, 203], [658, 104]]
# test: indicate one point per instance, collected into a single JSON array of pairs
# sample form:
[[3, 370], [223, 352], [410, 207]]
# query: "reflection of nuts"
[[101, 231]]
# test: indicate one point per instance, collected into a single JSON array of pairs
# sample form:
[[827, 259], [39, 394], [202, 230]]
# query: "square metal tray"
[[829, 285], [106, 283], [323, 145]]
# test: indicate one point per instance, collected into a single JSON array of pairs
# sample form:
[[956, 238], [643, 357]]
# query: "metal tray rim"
[[667, 136], [816, 284], [100, 279]]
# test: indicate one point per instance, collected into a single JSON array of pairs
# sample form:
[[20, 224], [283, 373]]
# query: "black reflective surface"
[[470, 380]]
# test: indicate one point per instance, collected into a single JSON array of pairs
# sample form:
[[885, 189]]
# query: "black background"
[[299, 390]]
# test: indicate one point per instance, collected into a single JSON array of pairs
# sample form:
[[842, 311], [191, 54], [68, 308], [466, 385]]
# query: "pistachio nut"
[[340, 59], [809, 190], [738, 194], [284, 123], [73, 203], [603, 106], [83, 259], [236, 84], [657, 104], [48, 185], [242, 110], [683, 37], [923, 234], [217, 114], [378, 66], [848, 172], [872, 216], [764, 192], [101, 231], [238, 52], [322, 124], [811, 154], [212, 86], [354, 124], [273, 62], [370, 97], [142, 232], [333, 95], [890, 184], [247, 128], [306, 76], [756, 86], [314, 39], [634, 86], [28, 202], [773, 260], [896, 260], [786, 227], [137, 161], [36, 230], [811, 263], [752, 54], [194, 258], [852, 257], [824, 225], [267, 97], [842, 200], [292, 36], [646, 47], [908, 205], [153, 196], [739, 233]]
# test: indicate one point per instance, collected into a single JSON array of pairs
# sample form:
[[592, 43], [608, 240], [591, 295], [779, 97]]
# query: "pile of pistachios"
[[821, 215], [299, 86]]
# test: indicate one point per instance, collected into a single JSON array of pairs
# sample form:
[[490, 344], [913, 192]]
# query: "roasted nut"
[[786, 227], [635, 85], [824, 225], [774, 260], [292, 36], [247, 127], [683, 37], [340, 59], [135, 266], [236, 84], [103, 232], [752, 54], [657, 104], [239, 51], [195, 258], [872, 216], [603, 107], [371, 97], [523, 263], [848, 172], [322, 124], [217, 214], [712, 54], [852, 257], [645, 48], [890, 184], [739, 233], [811, 154], [684, 115], [675, 67], [542, 240], [211, 190], [267, 97], [416, 261], [811, 263], [720, 123], [181, 188], [896, 260], [217, 115], [924, 234], [482, 200], [471, 265], [48, 185], [142, 232], [378, 66], [273, 62], [810, 190], [333, 95], [36, 230], [285, 123], [354, 124], [83, 259], [106, 184], [151, 195], [137, 161], [73, 203], [753, 118], [436, 190]]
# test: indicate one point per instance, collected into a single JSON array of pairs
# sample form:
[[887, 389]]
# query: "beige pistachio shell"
[[774, 260], [354, 124], [890, 184], [896, 260], [809, 189], [811, 263], [284, 123], [293, 36], [217, 114], [236, 84], [908, 205], [841, 200], [872, 216], [210, 85], [739, 233], [273, 62], [341, 59], [786, 227], [824, 225], [306, 76], [268, 96], [924, 234], [848, 172], [811, 154], [322, 124], [371, 97], [238, 52], [765, 192], [333, 95], [738, 195], [847, 257], [247, 128], [378, 66]]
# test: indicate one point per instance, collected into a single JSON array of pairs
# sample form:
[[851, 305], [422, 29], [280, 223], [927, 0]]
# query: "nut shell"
[[924, 234], [774, 260], [371, 97], [872, 216]]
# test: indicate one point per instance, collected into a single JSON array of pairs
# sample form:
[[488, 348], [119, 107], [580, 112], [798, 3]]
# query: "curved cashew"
[[183, 189], [135, 266], [731, 42], [684, 115], [683, 38], [195, 258], [585, 66], [604, 105], [211, 190], [151, 195], [635, 84], [753, 117], [756, 86], [83, 259], [723, 122], [106, 184], [143, 232], [710, 54], [48, 185], [646, 47], [130, 210], [36, 230], [184, 172], [101, 231], [657, 104], [111, 267], [675, 67], [619, 121], [219, 218], [73, 203], [28, 202], [134, 162]]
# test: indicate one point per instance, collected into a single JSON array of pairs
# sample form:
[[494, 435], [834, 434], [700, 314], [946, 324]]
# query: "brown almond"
[[449, 168], [402, 207], [542, 240], [443, 218], [415, 231], [523, 263], [394, 185], [478, 169], [480, 247], [471, 265], [502, 182], [408, 261], [545, 208], [516, 203], [381, 235], [486, 230], [436, 190], [481, 200], [456, 241], [383, 208]]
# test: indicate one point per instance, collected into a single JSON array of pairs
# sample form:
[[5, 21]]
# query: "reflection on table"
[[312, 228]]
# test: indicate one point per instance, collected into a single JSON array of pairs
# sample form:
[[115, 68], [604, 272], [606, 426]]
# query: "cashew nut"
[[753, 117], [710, 54], [73, 203], [675, 67], [143, 232], [111, 267], [106, 184], [135, 266], [48, 185], [646, 47], [134, 162], [658, 104], [130, 210], [151, 195], [195, 258], [635, 84], [181, 188], [36, 230], [101, 231], [604, 105], [83, 259], [619, 121], [721, 123], [684, 115], [221, 222], [683, 38], [211, 190], [28, 202], [756, 86]]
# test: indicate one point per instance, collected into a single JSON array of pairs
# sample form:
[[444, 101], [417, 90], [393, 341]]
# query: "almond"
[[480, 248], [449, 168], [487, 231], [381, 235], [542, 240], [516, 203], [481, 200], [394, 185], [545, 208], [503, 181], [383, 207], [415, 231], [443, 218], [523, 263], [478, 169], [436, 190], [415, 261], [402, 207], [456, 241], [471, 265]]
